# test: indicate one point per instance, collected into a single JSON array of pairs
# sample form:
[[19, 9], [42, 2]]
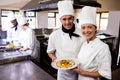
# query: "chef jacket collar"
[[70, 32], [15, 26]]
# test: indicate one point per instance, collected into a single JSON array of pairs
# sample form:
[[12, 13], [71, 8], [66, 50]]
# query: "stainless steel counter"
[[23, 70], [13, 56]]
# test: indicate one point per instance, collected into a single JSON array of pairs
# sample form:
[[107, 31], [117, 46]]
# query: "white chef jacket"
[[28, 40], [64, 47], [95, 56], [12, 35]]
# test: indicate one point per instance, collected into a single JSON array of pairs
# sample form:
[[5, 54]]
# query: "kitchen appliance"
[[42, 5]]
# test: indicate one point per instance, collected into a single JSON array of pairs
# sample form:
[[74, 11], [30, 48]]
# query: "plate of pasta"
[[65, 63]]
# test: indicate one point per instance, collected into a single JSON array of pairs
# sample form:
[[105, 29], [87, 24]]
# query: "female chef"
[[28, 39], [66, 41], [94, 55]]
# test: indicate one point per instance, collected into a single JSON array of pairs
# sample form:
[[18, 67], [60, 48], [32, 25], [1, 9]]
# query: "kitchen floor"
[[48, 69]]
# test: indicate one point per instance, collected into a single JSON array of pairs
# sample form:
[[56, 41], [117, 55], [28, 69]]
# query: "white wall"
[[114, 25], [42, 19], [109, 5], [77, 12]]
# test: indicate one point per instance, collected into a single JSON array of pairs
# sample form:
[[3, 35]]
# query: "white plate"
[[54, 64]]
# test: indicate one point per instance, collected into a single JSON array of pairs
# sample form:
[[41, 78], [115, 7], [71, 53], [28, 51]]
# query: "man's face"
[[67, 21], [14, 22]]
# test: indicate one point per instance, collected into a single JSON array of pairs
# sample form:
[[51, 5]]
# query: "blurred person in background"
[[14, 31], [27, 39]]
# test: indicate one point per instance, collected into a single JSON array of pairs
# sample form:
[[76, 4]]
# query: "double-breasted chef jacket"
[[13, 35], [95, 56]]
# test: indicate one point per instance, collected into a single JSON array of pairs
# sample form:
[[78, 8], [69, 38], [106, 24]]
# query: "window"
[[6, 23], [51, 20], [31, 17], [30, 14], [102, 20], [4, 20], [58, 23]]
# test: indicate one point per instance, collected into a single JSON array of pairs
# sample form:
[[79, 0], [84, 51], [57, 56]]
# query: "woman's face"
[[25, 26], [88, 31], [67, 21]]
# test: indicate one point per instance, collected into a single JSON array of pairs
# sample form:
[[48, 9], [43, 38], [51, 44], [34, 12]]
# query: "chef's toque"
[[65, 8], [22, 20], [87, 15], [11, 16]]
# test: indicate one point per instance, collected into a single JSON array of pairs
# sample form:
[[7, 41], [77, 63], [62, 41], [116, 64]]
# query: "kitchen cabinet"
[[45, 61], [108, 39]]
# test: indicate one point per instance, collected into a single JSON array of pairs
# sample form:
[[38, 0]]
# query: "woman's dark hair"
[[26, 24]]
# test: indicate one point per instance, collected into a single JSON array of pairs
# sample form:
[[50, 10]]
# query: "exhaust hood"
[[81, 3], [43, 5]]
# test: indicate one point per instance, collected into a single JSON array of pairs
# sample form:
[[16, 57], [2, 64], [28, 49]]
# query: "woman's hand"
[[53, 59], [78, 70], [86, 73], [52, 56], [23, 49]]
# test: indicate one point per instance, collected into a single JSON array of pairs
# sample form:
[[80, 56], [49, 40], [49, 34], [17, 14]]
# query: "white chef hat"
[[65, 8], [87, 15], [11, 16], [22, 20]]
